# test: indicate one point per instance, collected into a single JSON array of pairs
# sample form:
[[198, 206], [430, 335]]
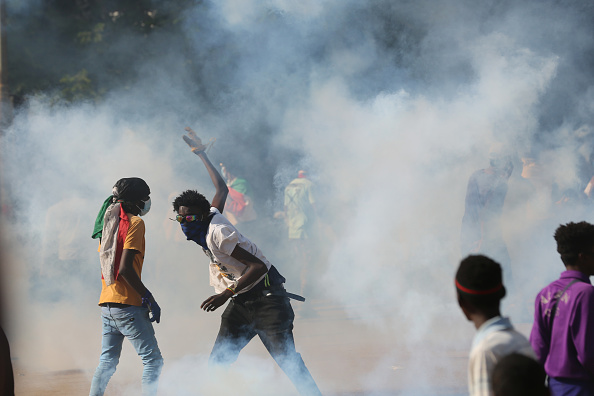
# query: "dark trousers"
[[571, 387], [271, 319]]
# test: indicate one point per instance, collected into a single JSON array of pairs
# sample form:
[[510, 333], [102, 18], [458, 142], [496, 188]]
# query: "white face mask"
[[146, 208]]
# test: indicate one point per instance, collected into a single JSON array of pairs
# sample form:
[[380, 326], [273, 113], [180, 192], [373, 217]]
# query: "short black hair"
[[573, 239], [518, 375], [479, 281], [191, 198]]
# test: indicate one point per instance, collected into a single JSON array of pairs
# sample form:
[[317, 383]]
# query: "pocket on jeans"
[[129, 324]]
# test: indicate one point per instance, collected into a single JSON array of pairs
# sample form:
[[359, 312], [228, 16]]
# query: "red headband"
[[478, 292]]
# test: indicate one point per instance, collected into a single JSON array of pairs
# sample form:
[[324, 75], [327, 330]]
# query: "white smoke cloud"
[[390, 107]]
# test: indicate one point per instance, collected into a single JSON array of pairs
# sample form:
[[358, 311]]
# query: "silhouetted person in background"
[[241, 274], [485, 196], [299, 216], [563, 330], [125, 301], [479, 287], [519, 375], [240, 206]]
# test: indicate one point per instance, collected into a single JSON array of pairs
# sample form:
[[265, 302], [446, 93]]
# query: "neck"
[[577, 267], [479, 318]]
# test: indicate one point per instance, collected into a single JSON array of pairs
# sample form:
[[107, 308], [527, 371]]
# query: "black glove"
[[149, 301]]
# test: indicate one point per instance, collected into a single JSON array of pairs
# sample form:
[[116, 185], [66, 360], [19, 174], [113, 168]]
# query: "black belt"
[[115, 305], [279, 290]]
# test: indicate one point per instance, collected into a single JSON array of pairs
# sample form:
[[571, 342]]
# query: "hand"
[[213, 302], [149, 301], [194, 141]]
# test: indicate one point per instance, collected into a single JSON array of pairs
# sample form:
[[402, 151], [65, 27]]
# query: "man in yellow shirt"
[[125, 301]]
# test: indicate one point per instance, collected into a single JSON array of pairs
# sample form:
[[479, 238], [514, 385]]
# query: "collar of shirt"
[[575, 275], [498, 323]]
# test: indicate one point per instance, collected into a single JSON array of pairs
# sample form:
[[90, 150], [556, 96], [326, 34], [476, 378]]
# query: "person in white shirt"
[[241, 274], [480, 288]]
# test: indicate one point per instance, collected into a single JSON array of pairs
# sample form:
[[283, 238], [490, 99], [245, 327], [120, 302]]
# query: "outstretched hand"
[[194, 141]]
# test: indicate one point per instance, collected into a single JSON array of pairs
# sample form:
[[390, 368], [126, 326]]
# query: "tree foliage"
[[80, 49]]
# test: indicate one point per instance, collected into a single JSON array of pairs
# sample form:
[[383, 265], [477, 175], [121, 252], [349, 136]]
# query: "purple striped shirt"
[[569, 352]]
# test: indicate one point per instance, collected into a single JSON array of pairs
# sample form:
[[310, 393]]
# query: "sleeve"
[[582, 329], [225, 239], [480, 366], [135, 235], [538, 336]]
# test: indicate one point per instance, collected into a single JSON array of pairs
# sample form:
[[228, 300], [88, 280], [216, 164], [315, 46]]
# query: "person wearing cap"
[[563, 329], [241, 275], [125, 301], [479, 288], [485, 195]]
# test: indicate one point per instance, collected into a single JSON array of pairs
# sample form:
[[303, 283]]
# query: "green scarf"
[[98, 230]]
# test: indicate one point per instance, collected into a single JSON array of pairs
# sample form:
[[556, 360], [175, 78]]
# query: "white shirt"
[[495, 339], [221, 239]]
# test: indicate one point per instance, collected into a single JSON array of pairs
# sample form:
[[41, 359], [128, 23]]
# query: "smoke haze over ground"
[[390, 106]]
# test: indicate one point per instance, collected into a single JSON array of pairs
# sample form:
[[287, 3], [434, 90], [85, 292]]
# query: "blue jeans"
[[133, 323]]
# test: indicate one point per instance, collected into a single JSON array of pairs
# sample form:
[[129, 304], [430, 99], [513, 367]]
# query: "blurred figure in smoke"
[[536, 169], [63, 248], [125, 301], [299, 216], [479, 287], [485, 196], [567, 348], [239, 272], [519, 375], [240, 208]]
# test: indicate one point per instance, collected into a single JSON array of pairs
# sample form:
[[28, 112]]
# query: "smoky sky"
[[389, 106]]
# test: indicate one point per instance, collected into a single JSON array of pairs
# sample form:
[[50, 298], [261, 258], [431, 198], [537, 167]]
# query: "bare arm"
[[221, 189], [199, 149], [127, 271], [255, 269]]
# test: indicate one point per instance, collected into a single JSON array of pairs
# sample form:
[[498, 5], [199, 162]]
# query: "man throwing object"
[[240, 274]]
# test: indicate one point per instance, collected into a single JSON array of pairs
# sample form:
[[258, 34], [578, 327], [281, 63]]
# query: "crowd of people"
[[555, 360]]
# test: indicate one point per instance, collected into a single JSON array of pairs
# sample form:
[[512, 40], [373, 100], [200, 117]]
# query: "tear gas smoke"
[[390, 106]]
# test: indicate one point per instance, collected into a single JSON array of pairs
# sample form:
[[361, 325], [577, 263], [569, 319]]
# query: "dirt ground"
[[339, 352]]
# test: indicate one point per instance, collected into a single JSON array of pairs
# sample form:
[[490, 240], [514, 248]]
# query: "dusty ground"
[[345, 357]]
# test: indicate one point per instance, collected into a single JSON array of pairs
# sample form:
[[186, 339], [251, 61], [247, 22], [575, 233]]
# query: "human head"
[[575, 243], [191, 202], [226, 173], [302, 174], [133, 194], [479, 284], [518, 375], [499, 156]]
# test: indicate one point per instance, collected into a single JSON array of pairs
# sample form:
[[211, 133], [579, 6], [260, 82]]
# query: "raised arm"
[[221, 190]]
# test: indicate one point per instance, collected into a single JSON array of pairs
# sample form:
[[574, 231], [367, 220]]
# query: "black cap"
[[130, 189]]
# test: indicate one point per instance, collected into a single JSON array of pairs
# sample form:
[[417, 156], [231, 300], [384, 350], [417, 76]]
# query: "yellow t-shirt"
[[120, 291]]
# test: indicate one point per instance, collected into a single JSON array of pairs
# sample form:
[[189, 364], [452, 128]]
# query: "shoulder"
[[136, 222], [584, 292]]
